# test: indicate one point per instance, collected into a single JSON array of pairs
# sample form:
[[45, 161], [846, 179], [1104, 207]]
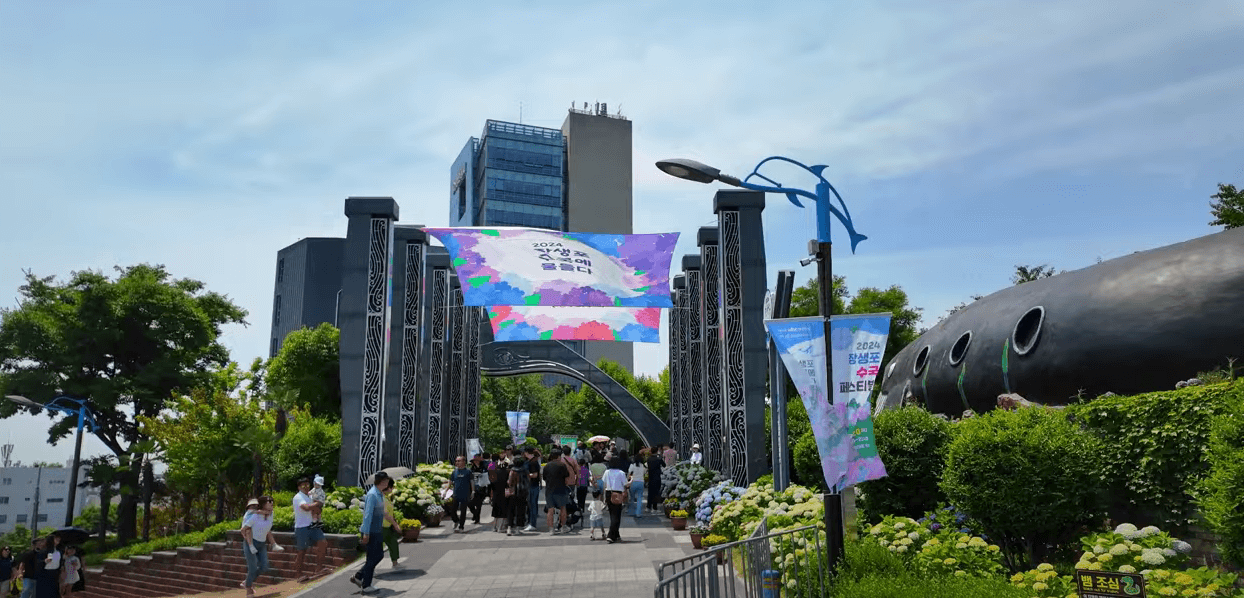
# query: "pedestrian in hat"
[[696, 456]]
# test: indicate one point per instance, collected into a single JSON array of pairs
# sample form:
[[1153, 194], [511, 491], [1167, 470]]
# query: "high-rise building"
[[574, 179], [308, 284]]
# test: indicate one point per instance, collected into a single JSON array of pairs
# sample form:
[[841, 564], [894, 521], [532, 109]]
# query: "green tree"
[[311, 445], [1024, 273], [305, 371], [212, 439], [1228, 209], [127, 344]]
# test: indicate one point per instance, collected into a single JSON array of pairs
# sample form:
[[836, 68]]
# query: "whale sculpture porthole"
[[921, 358], [1027, 330], [960, 348], [889, 370]]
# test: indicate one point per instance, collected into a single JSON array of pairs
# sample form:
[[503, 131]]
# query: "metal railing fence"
[[789, 564]]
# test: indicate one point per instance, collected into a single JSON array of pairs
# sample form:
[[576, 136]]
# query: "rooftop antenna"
[[520, 113], [6, 452]]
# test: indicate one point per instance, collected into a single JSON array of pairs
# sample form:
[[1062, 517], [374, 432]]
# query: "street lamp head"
[[689, 169], [23, 401]]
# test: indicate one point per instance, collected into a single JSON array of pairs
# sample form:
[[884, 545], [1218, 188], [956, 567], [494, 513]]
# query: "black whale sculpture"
[[1133, 324]]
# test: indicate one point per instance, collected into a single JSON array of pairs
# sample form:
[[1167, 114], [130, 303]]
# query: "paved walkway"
[[485, 564]]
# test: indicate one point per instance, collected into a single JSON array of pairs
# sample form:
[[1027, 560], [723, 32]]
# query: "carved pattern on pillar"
[[675, 336], [714, 411], [376, 345], [732, 350], [684, 366], [470, 421], [695, 355], [412, 316], [455, 370], [436, 367]]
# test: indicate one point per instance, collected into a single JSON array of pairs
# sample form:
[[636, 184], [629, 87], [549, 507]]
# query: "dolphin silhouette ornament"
[[702, 173]]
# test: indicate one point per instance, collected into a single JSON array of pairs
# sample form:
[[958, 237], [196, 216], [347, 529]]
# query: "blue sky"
[[966, 137]]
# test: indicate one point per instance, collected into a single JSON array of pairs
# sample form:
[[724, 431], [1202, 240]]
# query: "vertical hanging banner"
[[801, 343], [843, 430], [522, 266], [857, 345], [517, 421], [473, 448]]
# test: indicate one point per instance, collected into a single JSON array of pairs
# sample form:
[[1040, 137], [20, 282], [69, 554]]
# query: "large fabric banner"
[[522, 266], [629, 324], [857, 345], [517, 420], [843, 430]]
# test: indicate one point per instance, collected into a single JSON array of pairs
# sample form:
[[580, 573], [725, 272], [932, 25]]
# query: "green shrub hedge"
[[1030, 477], [1153, 450], [912, 443], [871, 571], [214, 533], [1222, 491]]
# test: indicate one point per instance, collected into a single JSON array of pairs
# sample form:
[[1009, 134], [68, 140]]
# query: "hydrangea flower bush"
[[952, 553], [685, 481], [793, 507], [1128, 549], [715, 497], [1045, 582]]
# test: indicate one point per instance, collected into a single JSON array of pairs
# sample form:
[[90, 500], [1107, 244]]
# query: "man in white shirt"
[[306, 533], [696, 456]]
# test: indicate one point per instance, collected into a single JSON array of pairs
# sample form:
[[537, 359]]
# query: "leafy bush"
[[1222, 492], [1201, 581], [88, 519], [1028, 476], [1153, 451], [807, 462], [212, 534], [311, 445], [283, 519], [346, 521], [714, 540], [903, 536], [912, 443]]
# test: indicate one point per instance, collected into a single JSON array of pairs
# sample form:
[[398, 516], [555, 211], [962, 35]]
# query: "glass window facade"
[[517, 177]]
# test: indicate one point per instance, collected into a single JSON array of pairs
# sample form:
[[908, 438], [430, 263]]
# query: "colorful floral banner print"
[[628, 324], [532, 267]]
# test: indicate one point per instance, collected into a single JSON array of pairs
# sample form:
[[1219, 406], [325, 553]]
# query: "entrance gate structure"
[[412, 353]]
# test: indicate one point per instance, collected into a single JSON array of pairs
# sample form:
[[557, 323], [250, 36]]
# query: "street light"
[[820, 252], [84, 416]]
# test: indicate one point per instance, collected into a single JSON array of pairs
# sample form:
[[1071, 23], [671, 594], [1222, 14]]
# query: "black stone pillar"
[[437, 299], [401, 403], [364, 312], [454, 373], [676, 375], [710, 308], [742, 281], [695, 346]]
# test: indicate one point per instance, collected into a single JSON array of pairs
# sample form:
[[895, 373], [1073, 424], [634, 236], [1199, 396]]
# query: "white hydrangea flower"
[[1181, 546], [1127, 530], [1119, 549], [1149, 530]]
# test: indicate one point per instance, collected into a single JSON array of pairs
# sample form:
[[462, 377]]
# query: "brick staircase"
[[212, 567]]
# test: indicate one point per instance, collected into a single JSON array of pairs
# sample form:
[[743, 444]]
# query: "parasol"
[[599, 438], [396, 473]]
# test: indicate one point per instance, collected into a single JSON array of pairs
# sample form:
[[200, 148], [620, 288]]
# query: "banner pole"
[[834, 529]]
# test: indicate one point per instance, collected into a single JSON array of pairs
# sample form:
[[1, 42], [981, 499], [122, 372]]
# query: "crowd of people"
[[49, 569], [512, 482]]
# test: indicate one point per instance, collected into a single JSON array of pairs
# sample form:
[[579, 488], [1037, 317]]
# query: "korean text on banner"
[[626, 324], [801, 343], [522, 266], [857, 344], [517, 420]]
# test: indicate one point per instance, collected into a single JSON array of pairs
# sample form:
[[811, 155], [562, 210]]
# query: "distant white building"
[[18, 496]]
